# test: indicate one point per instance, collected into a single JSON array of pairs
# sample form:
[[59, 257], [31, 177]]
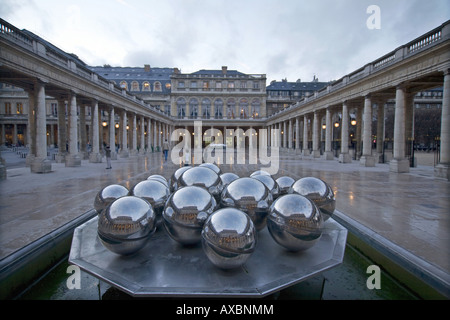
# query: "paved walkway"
[[411, 210]]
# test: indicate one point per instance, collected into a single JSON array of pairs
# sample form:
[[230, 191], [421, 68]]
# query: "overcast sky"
[[293, 39]]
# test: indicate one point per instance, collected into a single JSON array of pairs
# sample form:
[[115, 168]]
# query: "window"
[[157, 86], [218, 85], [193, 107], [243, 108], [231, 105], [181, 84], [243, 84], [230, 84], [205, 84], [124, 85], [255, 85], [168, 86], [218, 106], [54, 107], [206, 108], [255, 109], [19, 108], [181, 108], [7, 107], [134, 86], [146, 86], [194, 84]]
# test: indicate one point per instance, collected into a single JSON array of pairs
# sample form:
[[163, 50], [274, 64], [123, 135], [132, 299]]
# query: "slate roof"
[[295, 86]]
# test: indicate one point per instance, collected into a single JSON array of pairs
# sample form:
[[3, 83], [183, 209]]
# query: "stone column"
[[290, 136], [367, 159], [124, 145], [316, 135], [83, 134], [149, 135], [112, 134], [284, 135], [62, 139], [159, 136], [155, 136], [328, 155], [142, 143], [95, 156], [344, 156], [72, 158], [133, 133], [358, 132], [40, 164], [443, 167], [399, 163], [31, 128], [297, 135], [305, 136], [380, 130]]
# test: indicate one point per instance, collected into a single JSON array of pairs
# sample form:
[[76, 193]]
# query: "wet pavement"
[[409, 209]]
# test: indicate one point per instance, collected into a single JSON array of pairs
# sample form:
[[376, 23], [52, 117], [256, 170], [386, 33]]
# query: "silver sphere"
[[318, 191], [202, 177], [173, 181], [185, 213], [251, 196], [159, 178], [295, 222], [270, 184], [126, 225], [107, 195], [212, 166], [285, 183], [259, 172], [155, 192], [228, 177], [229, 238]]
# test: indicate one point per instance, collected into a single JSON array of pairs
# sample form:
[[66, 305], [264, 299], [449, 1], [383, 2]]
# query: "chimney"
[[146, 67], [176, 70], [224, 70]]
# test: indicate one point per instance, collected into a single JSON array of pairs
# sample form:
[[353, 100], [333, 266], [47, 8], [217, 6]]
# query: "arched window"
[[206, 108], [243, 108], [231, 108], [157, 86], [181, 108], [146, 86], [255, 109], [134, 86], [124, 84], [218, 107], [193, 107]]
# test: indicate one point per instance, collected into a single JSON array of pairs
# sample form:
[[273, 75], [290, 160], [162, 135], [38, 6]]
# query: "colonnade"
[[355, 118], [129, 135]]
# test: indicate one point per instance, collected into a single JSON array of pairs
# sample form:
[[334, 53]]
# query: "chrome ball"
[[284, 184], [159, 178], [295, 222], [155, 192], [269, 183], [318, 191], [126, 225], [185, 213], [212, 166], [202, 177], [228, 177], [259, 172], [228, 238], [251, 196], [173, 181], [107, 195]]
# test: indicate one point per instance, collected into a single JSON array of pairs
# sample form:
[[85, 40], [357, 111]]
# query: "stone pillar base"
[[134, 153], [124, 154], [328, 155], [367, 161], [442, 170], [298, 151], [29, 159], [316, 153], [73, 160], [2, 172], [113, 156], [95, 158], [399, 166], [84, 155], [345, 158], [306, 152], [39, 165], [60, 158]]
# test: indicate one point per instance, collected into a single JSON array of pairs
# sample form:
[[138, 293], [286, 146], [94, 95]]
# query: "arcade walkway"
[[409, 209]]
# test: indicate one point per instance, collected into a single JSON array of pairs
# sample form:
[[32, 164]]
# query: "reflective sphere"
[[270, 184], [185, 213], [284, 183], [251, 196], [202, 177], [295, 222], [155, 192], [228, 238], [107, 195], [228, 177], [259, 172], [318, 191], [173, 181], [159, 178], [126, 225], [212, 166]]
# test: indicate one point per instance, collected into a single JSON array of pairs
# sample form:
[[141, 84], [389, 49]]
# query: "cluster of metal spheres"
[[223, 211]]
